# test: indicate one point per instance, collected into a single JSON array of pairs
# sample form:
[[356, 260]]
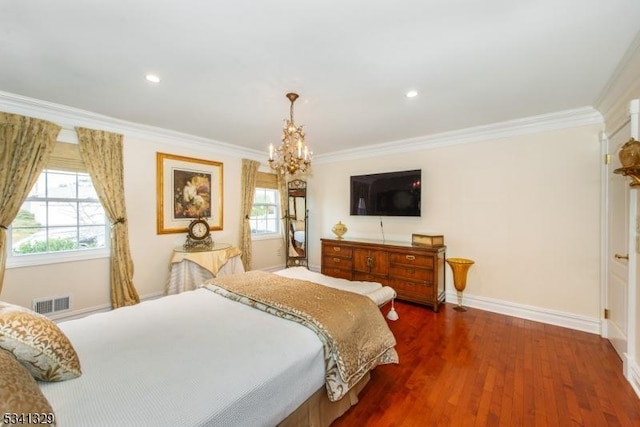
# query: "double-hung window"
[[61, 219], [265, 218]]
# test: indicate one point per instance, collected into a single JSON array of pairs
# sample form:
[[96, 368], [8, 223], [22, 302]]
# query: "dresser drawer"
[[412, 259], [368, 277], [420, 291], [336, 272], [410, 272], [336, 261], [329, 250]]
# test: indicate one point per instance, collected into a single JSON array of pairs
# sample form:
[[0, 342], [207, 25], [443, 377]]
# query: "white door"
[[619, 232], [623, 229]]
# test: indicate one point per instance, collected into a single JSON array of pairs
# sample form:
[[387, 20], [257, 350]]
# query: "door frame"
[[629, 360]]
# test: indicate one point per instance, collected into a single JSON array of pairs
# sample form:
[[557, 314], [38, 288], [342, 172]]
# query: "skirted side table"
[[190, 268]]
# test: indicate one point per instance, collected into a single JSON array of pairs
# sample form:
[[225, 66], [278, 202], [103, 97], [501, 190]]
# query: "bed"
[[297, 233], [190, 359], [378, 293]]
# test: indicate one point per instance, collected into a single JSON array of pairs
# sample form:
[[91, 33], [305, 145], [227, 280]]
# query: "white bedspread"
[[191, 359], [374, 290]]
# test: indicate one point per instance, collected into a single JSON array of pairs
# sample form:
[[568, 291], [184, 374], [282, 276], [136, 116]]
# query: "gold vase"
[[339, 229], [460, 267]]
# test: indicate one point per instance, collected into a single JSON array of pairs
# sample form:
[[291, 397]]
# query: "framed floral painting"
[[187, 189]]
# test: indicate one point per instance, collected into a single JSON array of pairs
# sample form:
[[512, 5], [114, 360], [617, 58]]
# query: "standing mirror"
[[297, 223]]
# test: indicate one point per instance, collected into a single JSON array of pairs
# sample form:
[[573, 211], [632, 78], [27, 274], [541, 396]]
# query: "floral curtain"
[[102, 154], [25, 145], [248, 189]]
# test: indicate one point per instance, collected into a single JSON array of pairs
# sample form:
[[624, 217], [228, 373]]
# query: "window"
[[265, 218], [61, 219]]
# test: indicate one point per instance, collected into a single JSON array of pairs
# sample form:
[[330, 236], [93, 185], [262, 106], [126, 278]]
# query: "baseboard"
[[77, 314], [154, 295], [522, 311], [538, 314], [273, 268], [558, 318], [633, 375]]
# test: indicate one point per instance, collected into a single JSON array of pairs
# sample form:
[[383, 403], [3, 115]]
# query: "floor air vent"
[[52, 305]]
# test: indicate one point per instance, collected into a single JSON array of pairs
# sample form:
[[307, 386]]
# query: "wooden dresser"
[[415, 273]]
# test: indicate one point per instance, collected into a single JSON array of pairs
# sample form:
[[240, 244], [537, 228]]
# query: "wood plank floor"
[[483, 369]]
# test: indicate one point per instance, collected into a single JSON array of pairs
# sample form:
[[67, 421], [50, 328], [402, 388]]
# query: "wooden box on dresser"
[[415, 273]]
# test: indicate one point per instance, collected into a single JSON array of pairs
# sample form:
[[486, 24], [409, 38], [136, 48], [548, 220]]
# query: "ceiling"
[[227, 65]]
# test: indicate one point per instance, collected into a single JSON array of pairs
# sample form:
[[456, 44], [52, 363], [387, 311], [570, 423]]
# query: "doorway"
[[622, 246]]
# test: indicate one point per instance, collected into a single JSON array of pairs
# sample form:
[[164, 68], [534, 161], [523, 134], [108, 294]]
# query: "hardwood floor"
[[483, 369]]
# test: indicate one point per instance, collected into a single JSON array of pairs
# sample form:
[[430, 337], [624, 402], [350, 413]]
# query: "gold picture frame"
[[186, 189]]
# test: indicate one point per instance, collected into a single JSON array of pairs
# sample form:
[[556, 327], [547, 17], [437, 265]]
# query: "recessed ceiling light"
[[412, 94], [152, 78]]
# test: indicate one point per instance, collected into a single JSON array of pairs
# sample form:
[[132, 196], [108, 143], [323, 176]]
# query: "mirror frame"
[[296, 194]]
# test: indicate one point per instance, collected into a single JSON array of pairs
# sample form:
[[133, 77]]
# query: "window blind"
[[267, 180], [66, 157]]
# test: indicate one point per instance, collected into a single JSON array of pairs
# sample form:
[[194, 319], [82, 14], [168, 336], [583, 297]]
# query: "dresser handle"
[[336, 249], [410, 270], [336, 260], [411, 257]]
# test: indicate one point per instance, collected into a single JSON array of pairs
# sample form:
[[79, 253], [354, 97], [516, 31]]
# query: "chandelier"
[[292, 156]]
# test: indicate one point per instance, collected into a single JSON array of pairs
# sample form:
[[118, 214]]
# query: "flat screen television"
[[386, 194]]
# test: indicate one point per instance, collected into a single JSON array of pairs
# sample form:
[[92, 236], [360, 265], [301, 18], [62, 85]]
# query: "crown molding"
[[69, 118], [622, 87], [525, 126]]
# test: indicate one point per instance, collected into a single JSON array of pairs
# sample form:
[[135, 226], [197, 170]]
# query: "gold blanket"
[[355, 335]]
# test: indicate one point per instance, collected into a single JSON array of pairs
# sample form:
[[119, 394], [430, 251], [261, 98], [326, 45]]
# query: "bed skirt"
[[319, 411]]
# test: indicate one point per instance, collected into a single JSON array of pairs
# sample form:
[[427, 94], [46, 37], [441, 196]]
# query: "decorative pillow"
[[20, 394], [38, 344]]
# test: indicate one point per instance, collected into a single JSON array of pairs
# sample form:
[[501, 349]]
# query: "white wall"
[[526, 209], [88, 281]]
